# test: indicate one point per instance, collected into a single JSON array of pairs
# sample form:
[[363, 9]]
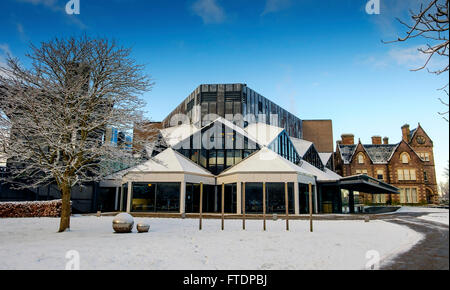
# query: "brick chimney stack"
[[385, 140], [348, 139], [376, 140], [405, 133]]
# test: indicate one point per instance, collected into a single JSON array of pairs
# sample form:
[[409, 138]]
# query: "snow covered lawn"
[[439, 215], [177, 244]]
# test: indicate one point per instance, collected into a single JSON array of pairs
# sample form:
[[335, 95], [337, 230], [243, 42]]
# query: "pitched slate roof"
[[378, 154], [412, 132], [346, 152]]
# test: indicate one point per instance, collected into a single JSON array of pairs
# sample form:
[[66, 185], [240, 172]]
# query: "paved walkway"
[[431, 253]]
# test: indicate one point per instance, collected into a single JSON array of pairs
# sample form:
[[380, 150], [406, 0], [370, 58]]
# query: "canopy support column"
[[130, 188], [296, 199], [238, 197], [183, 197]]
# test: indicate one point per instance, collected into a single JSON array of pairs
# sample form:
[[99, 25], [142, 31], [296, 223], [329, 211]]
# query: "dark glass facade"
[[156, 197], [303, 198], [275, 198], [312, 157], [212, 198], [228, 100], [225, 147], [284, 147]]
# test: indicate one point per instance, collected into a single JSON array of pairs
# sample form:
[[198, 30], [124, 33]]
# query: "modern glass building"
[[227, 146], [209, 101]]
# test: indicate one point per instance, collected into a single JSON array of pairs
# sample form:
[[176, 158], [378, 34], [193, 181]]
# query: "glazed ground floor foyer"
[[234, 198]]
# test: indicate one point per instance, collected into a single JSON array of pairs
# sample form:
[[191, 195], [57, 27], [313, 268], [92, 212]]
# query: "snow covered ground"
[[178, 244], [439, 215]]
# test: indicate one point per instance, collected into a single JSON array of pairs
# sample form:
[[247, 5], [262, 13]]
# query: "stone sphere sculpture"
[[123, 223], [142, 228]]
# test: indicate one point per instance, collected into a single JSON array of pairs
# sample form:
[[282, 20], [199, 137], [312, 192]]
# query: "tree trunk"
[[65, 209]]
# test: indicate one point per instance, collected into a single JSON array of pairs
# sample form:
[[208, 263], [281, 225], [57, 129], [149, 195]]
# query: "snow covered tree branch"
[[55, 113]]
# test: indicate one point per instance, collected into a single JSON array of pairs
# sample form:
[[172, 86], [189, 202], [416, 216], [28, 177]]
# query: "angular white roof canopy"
[[174, 135], [170, 161], [326, 175], [266, 162], [301, 145], [325, 157], [263, 133], [179, 136]]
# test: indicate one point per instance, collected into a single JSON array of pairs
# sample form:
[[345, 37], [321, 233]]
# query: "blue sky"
[[318, 59]]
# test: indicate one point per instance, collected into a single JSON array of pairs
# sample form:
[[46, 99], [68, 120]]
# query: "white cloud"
[[57, 7], [408, 56], [275, 6], [53, 4], [209, 10]]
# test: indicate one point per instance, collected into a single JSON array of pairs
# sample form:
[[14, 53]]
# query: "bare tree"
[[432, 23], [57, 112]]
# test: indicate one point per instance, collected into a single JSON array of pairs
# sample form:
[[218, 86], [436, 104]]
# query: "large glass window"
[[408, 195], [220, 161], [203, 158], [276, 200], [156, 197], [230, 158], [192, 204], [237, 156], [304, 198], [211, 200], [253, 197], [143, 197], [168, 197], [229, 198]]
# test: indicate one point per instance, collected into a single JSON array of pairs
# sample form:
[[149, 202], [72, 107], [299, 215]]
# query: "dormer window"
[[404, 157], [361, 158]]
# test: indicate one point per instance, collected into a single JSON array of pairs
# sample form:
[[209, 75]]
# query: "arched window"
[[361, 158], [404, 157]]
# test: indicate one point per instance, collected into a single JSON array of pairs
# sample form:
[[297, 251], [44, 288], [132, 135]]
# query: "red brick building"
[[408, 165]]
